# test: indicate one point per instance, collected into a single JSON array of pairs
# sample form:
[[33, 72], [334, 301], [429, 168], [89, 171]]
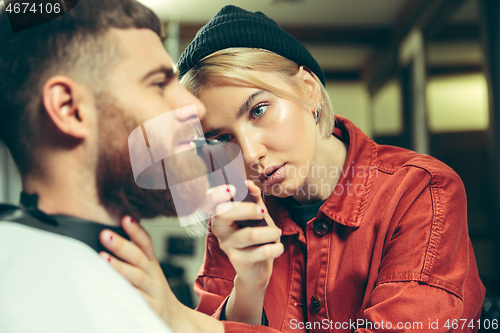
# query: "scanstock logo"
[[151, 145], [26, 14]]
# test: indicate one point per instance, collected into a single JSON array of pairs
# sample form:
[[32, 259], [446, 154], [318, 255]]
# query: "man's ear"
[[311, 85], [63, 100]]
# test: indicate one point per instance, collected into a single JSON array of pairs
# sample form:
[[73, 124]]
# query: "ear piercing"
[[317, 112]]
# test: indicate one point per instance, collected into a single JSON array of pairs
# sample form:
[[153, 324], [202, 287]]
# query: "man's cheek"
[[156, 166], [149, 144]]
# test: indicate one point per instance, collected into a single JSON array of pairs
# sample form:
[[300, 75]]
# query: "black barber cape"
[[29, 215]]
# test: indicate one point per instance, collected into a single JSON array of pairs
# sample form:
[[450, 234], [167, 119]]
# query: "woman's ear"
[[62, 100], [311, 85]]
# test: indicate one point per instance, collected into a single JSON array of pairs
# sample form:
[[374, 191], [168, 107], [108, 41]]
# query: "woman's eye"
[[224, 138], [259, 111]]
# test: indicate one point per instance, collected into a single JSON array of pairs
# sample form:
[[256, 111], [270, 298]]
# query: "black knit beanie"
[[236, 27]]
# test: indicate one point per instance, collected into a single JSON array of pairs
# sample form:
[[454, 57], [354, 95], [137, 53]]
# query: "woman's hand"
[[136, 261], [251, 251], [141, 268], [138, 264]]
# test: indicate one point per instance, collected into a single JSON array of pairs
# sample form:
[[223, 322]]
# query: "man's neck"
[[66, 197]]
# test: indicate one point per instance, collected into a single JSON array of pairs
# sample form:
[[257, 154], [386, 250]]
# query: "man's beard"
[[117, 189]]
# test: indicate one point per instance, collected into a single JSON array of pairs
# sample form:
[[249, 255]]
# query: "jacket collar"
[[347, 203]]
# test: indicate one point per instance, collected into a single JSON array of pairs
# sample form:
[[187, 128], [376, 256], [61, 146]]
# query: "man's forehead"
[[141, 48]]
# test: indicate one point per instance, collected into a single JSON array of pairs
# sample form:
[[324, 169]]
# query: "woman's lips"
[[278, 176]]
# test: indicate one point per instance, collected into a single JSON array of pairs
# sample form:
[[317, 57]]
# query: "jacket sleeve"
[[210, 290], [215, 278], [212, 304], [428, 278], [214, 284]]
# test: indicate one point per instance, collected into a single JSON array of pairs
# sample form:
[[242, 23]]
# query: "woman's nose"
[[253, 150]]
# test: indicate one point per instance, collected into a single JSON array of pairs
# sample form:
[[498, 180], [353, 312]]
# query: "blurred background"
[[420, 74]]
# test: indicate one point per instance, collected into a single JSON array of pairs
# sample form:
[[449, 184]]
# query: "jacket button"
[[316, 303], [320, 228]]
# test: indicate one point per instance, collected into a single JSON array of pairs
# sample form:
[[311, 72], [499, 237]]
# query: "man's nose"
[[195, 114]]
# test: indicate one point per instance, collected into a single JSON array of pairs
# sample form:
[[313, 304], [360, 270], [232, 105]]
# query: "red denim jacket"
[[388, 251]]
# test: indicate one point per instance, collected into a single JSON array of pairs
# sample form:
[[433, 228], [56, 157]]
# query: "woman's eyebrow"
[[212, 132], [244, 108]]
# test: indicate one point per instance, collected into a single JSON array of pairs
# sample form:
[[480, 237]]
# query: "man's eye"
[[259, 111], [224, 138], [160, 84]]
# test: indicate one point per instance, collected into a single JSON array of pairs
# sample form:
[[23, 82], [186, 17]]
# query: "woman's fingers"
[[258, 199], [139, 236], [254, 190], [226, 213], [251, 255], [250, 250], [125, 250], [230, 211], [251, 237], [137, 263], [216, 196], [134, 275]]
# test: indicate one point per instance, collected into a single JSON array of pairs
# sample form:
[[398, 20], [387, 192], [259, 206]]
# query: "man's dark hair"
[[76, 45]]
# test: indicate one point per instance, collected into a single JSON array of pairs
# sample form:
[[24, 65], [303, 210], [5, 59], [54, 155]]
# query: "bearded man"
[[72, 91]]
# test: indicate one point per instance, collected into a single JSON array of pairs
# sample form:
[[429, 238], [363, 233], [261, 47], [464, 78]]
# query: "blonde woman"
[[373, 238]]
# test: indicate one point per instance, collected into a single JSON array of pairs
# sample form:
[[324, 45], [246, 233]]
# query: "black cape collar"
[[83, 230]]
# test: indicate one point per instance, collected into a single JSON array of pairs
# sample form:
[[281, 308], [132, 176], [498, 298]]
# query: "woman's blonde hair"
[[237, 63]]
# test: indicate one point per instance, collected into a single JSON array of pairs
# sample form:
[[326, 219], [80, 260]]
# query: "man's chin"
[[186, 190], [187, 181], [145, 204], [188, 196]]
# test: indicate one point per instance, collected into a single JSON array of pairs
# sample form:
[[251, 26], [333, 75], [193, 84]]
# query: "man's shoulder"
[[40, 258], [21, 238], [62, 285]]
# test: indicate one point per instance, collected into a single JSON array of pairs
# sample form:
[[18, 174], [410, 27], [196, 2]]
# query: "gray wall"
[[10, 181]]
